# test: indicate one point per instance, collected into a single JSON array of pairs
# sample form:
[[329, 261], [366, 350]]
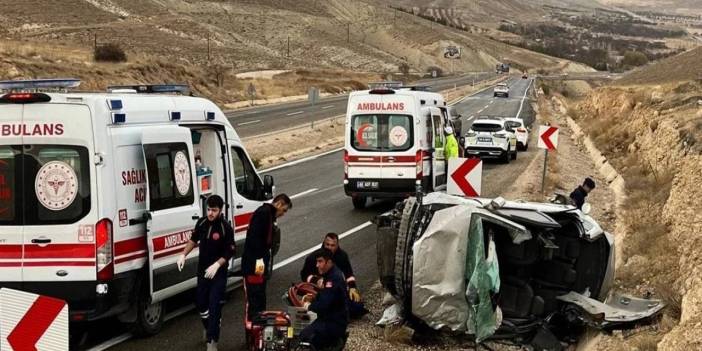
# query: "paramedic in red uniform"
[[215, 238], [257, 253]]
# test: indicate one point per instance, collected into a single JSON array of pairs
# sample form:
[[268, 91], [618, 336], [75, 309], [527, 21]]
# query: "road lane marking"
[[292, 163], [249, 122], [521, 104], [237, 283], [302, 254], [491, 101], [304, 193], [295, 113], [326, 107]]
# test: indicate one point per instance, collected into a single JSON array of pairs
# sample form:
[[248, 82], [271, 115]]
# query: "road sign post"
[[548, 140], [465, 176], [32, 322]]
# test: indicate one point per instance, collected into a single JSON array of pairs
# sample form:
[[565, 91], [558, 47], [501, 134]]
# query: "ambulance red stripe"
[[59, 251], [48, 264], [130, 245], [10, 251]]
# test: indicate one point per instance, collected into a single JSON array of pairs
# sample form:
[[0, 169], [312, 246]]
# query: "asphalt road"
[[321, 208], [270, 118]]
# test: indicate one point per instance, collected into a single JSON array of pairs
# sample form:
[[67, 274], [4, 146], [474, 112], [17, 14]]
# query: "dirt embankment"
[[653, 137]]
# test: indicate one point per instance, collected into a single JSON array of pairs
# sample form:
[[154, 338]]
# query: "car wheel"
[[149, 315], [506, 156], [359, 202], [404, 245]]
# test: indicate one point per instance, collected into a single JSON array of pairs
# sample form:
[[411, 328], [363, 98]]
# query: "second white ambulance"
[[394, 141]]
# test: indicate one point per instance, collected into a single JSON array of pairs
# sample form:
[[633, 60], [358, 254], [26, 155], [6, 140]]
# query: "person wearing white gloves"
[[215, 238]]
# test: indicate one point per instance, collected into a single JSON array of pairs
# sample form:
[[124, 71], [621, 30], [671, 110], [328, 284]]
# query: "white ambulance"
[[99, 193], [394, 141]]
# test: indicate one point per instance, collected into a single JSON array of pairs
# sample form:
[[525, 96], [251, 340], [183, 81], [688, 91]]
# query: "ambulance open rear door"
[[172, 207]]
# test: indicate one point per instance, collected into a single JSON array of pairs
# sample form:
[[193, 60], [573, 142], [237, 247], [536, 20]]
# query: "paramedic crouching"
[[329, 329], [310, 274], [215, 238]]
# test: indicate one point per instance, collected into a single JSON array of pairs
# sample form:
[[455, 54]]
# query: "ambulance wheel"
[[359, 202], [149, 316]]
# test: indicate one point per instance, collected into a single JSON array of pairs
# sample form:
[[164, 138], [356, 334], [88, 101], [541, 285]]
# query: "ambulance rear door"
[[11, 224], [172, 207], [438, 167]]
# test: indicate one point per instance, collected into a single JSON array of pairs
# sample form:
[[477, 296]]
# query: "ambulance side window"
[[246, 180], [430, 132], [438, 132], [164, 190]]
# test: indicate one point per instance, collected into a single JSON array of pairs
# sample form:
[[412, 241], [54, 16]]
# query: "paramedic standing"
[[257, 252], [330, 305], [215, 239], [451, 148]]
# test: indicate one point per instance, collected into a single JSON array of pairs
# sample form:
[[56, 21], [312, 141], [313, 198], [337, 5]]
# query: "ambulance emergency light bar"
[[183, 89], [38, 84], [386, 85]]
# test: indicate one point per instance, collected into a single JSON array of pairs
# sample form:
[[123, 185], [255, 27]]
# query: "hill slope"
[[683, 67]]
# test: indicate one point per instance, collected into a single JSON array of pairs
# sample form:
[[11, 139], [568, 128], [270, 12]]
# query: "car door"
[[439, 158], [172, 207]]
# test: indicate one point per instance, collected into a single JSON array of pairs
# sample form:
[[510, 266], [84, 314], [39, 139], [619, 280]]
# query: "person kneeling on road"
[[215, 238], [341, 260], [330, 305]]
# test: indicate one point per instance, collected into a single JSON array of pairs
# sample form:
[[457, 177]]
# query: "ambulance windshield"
[[381, 132]]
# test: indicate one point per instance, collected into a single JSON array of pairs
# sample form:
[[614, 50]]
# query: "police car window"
[[246, 180], [382, 132], [8, 185], [486, 127], [55, 184], [170, 175]]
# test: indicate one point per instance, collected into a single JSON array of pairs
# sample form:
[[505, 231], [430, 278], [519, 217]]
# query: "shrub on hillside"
[[110, 53], [634, 59]]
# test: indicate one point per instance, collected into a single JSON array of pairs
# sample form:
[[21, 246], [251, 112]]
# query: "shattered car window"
[[482, 281]]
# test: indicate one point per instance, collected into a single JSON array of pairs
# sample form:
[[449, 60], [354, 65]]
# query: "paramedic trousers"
[[209, 294], [323, 334], [255, 291]]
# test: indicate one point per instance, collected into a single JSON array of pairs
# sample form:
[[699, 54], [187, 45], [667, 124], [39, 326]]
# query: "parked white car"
[[489, 137], [501, 89], [521, 131]]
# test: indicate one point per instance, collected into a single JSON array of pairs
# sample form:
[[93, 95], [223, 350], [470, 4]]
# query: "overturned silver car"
[[535, 272]]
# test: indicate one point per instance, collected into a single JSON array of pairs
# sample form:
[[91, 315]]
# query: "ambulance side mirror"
[[268, 184]]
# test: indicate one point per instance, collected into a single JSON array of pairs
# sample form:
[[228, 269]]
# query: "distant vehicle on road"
[[525, 76], [490, 137], [501, 89], [520, 130]]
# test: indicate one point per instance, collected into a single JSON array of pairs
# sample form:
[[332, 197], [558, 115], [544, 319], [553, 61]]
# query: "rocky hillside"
[[652, 134], [678, 68]]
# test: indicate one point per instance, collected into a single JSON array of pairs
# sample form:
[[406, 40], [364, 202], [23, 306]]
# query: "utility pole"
[[208, 47]]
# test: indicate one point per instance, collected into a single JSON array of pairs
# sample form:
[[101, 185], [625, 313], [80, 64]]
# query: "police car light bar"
[[33, 84], [183, 89]]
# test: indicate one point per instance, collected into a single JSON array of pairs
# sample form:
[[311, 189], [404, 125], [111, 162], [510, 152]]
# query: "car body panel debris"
[[491, 268]]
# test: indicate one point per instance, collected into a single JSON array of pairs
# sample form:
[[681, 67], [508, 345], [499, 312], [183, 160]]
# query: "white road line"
[[326, 107], [249, 122], [124, 337], [302, 254], [304, 193], [521, 104], [491, 101], [292, 163], [295, 113]]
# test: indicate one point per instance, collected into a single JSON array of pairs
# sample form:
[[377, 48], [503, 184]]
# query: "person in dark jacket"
[[256, 258], [329, 304], [310, 274], [215, 238], [580, 193]]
